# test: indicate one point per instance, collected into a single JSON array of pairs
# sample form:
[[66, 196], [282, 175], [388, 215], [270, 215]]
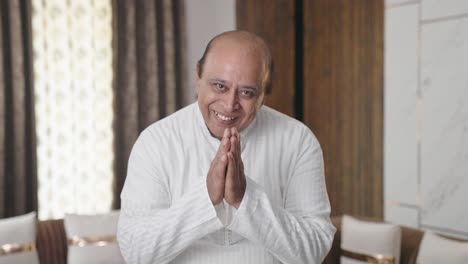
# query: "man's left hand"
[[235, 179]]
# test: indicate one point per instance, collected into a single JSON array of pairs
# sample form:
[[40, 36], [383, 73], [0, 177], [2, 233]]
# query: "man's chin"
[[216, 131], [217, 135]]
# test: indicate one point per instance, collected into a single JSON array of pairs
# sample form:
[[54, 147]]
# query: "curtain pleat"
[[149, 71], [18, 176]]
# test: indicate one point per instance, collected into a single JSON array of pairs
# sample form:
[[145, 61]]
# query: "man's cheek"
[[211, 98]]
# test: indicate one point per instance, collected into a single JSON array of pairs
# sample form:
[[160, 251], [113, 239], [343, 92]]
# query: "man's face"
[[229, 90]]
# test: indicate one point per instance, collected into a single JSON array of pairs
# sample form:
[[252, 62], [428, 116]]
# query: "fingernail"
[[223, 158]]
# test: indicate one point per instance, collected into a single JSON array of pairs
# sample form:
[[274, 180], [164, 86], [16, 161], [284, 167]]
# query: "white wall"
[[426, 114], [205, 19]]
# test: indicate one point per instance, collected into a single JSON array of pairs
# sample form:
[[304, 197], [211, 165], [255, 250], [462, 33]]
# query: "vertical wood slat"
[[51, 242], [343, 105], [274, 22]]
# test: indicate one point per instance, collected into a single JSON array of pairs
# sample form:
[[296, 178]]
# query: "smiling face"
[[229, 90]]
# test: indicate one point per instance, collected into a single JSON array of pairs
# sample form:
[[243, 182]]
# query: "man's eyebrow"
[[217, 80], [249, 87], [224, 82]]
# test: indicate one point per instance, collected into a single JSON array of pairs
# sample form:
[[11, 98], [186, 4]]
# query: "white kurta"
[[167, 215]]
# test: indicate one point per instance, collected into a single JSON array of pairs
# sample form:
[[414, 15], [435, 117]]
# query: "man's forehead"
[[225, 64], [227, 46], [231, 51]]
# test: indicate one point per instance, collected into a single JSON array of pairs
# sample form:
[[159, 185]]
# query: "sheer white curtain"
[[73, 95]]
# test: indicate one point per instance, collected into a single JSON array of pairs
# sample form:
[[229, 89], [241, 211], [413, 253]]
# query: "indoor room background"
[[382, 84]]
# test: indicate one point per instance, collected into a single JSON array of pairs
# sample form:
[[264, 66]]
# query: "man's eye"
[[220, 86], [247, 94]]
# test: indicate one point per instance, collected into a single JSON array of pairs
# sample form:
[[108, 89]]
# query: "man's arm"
[[301, 232], [152, 228]]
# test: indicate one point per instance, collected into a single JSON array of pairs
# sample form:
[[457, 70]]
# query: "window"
[[73, 94]]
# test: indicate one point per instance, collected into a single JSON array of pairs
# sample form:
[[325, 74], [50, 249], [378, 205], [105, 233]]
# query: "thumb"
[[222, 164]]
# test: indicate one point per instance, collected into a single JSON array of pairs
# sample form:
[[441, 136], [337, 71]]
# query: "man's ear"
[[197, 79], [261, 101], [197, 71]]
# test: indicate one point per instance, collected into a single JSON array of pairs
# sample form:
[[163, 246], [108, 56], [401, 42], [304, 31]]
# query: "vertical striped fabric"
[[167, 215]]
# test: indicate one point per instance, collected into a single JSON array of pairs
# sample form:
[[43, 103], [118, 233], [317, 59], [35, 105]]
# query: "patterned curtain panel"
[[149, 71], [18, 181], [72, 44]]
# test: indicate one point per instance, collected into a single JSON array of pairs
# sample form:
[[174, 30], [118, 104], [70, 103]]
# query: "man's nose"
[[231, 102]]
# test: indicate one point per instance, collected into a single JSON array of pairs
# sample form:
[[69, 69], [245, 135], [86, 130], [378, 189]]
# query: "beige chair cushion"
[[21, 231], [369, 238], [435, 249], [94, 237]]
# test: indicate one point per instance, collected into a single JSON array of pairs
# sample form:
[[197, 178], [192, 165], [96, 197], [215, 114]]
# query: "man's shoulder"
[[277, 124], [273, 118], [180, 117], [171, 125]]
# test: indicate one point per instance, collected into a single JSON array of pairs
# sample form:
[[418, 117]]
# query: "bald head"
[[248, 41]]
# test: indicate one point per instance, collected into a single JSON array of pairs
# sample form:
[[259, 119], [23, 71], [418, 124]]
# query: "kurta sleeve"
[[301, 231], [152, 228]]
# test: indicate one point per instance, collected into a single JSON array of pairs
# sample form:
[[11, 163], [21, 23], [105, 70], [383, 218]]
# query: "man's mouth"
[[223, 117]]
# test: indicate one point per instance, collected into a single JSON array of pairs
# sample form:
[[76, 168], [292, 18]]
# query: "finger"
[[226, 137], [235, 132], [238, 161], [233, 144], [224, 145], [219, 163], [236, 172], [238, 147], [221, 166], [230, 170], [218, 168]]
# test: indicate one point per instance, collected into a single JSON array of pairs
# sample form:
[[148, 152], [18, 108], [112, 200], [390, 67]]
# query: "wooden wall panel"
[[343, 99], [273, 21], [342, 69]]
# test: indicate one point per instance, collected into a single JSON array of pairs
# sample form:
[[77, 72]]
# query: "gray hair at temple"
[[257, 43]]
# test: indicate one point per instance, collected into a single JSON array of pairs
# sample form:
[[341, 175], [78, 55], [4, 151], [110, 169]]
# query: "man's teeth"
[[225, 118]]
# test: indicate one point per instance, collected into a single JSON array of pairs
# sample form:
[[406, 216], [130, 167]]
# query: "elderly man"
[[226, 179]]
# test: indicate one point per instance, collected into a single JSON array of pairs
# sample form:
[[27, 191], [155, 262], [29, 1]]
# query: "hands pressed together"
[[226, 177]]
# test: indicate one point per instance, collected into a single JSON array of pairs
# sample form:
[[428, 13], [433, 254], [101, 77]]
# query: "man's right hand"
[[217, 174]]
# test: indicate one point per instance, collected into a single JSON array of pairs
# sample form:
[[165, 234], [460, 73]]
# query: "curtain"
[[149, 71], [18, 177]]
